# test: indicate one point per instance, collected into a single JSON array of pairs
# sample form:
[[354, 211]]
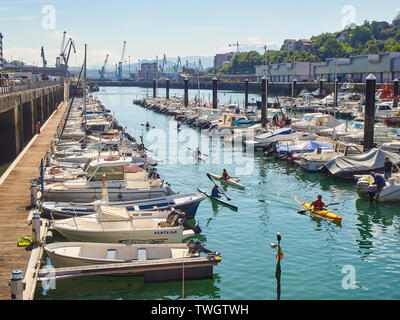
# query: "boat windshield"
[[110, 173]]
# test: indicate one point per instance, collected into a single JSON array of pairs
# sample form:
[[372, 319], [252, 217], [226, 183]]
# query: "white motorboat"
[[186, 202], [124, 183], [114, 228], [390, 193], [71, 254]]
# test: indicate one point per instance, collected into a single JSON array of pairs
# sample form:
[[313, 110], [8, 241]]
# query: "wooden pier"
[[15, 197]]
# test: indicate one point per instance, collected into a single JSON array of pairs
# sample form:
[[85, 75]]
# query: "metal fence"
[[10, 86]]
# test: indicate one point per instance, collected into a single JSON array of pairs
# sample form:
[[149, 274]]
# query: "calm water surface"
[[317, 254]]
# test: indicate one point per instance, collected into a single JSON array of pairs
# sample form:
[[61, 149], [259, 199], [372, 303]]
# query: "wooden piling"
[[369, 112]]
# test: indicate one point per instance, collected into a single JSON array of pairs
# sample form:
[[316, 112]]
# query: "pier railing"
[[10, 86]]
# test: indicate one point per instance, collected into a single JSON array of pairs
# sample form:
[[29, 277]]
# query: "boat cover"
[[308, 146], [370, 161]]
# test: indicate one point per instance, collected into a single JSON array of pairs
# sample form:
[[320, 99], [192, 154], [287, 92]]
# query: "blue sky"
[[173, 27]]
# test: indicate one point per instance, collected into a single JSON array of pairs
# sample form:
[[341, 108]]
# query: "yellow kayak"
[[323, 213]]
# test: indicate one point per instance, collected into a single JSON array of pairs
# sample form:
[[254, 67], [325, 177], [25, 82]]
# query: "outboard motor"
[[173, 220], [195, 246], [372, 189]]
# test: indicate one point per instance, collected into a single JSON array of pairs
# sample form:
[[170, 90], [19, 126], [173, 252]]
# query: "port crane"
[[43, 58], [65, 52], [164, 64], [178, 65], [102, 72], [119, 74]]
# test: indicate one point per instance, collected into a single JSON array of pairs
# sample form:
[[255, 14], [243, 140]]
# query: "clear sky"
[[173, 27]]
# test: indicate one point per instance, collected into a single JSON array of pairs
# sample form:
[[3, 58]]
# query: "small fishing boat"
[[185, 202], [73, 254], [111, 227], [389, 193], [322, 213], [231, 206], [230, 182]]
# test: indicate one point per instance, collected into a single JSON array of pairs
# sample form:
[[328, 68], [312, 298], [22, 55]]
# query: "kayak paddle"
[[209, 177]]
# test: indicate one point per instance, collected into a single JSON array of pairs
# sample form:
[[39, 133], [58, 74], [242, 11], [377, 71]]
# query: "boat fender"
[[318, 123]]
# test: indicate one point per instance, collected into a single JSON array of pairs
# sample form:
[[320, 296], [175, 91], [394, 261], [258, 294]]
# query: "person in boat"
[[275, 120], [225, 175], [215, 193], [147, 124], [388, 168], [318, 204], [379, 181]]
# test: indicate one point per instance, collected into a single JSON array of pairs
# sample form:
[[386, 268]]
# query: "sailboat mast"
[[84, 89]]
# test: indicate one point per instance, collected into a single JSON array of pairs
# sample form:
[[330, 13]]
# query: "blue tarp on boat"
[[308, 146]]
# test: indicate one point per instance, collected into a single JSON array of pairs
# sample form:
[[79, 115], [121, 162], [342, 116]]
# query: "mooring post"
[[186, 91], [264, 101], [36, 223], [167, 89], [336, 93], [215, 92], [16, 285], [154, 88], [246, 93], [395, 93], [369, 112], [321, 88], [279, 257]]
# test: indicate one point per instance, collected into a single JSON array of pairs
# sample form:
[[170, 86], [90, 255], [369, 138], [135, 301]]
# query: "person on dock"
[[215, 193], [388, 168], [225, 175], [319, 204], [178, 126], [197, 152]]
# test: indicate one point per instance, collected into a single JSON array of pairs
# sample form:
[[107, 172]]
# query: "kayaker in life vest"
[[215, 193], [318, 204], [225, 175], [147, 125]]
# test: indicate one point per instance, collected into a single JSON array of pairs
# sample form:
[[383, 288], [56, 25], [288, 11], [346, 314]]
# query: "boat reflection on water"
[[130, 288], [373, 219]]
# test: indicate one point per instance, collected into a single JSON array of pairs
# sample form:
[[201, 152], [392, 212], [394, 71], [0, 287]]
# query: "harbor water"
[[359, 259]]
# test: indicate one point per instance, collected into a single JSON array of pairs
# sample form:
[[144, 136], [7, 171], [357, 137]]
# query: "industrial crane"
[[43, 58], [63, 52], [164, 63], [119, 75], [178, 65], [102, 72], [70, 44]]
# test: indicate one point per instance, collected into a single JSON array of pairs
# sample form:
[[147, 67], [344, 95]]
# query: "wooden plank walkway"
[[14, 199]]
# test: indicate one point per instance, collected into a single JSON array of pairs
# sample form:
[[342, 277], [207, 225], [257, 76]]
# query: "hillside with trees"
[[369, 38]]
